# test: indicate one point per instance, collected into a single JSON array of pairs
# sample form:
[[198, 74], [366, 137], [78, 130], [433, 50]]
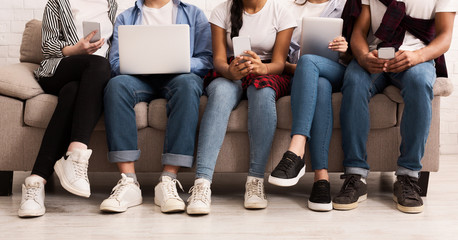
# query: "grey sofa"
[[25, 112]]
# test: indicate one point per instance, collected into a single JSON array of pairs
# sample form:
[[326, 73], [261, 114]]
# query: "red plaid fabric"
[[279, 83]]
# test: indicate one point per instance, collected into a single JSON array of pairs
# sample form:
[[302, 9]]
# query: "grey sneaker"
[[407, 194], [352, 192], [200, 199], [255, 198]]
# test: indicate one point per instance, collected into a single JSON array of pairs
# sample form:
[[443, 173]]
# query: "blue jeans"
[[223, 96], [314, 81], [359, 87], [182, 92]]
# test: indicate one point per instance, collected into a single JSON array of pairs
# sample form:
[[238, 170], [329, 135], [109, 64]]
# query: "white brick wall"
[[15, 13]]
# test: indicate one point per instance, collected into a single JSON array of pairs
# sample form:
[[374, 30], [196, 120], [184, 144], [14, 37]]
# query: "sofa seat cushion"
[[383, 112], [39, 109]]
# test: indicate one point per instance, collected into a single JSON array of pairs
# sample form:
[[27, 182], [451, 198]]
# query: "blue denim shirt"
[[201, 46]]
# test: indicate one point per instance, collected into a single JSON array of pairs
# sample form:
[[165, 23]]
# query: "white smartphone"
[[89, 27], [241, 44], [386, 52]]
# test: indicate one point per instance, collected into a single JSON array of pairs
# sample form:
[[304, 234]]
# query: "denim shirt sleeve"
[[114, 50], [201, 59]]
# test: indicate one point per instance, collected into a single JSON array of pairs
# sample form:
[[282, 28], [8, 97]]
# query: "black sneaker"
[[288, 171], [320, 198], [352, 192], [407, 194]]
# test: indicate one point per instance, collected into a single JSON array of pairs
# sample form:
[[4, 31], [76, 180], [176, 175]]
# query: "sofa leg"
[[6, 183], [423, 183]]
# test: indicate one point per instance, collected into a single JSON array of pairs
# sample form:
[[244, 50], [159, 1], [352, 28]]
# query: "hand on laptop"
[[83, 46], [339, 44]]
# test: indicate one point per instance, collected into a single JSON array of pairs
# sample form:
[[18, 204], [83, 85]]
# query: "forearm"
[[275, 67]]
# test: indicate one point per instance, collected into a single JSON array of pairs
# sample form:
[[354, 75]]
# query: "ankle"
[[37, 178]]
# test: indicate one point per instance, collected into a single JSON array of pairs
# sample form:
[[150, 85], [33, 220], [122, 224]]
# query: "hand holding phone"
[[89, 27], [386, 52], [240, 45]]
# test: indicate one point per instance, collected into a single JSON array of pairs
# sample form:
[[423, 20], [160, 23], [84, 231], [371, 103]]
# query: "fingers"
[[90, 35], [252, 54]]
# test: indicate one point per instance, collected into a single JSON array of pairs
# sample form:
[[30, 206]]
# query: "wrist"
[[267, 68]]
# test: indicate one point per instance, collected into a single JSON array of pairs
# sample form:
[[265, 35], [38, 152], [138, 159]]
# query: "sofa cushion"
[[39, 109], [383, 112], [31, 43], [17, 80]]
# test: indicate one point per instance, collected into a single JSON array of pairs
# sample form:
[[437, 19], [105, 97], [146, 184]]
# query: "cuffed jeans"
[[359, 87], [223, 96], [314, 81], [183, 94]]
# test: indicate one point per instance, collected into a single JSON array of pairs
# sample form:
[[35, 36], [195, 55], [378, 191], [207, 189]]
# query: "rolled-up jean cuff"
[[177, 160], [123, 156], [355, 170], [408, 172]]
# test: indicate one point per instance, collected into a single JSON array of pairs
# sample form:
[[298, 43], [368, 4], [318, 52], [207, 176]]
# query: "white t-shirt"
[[262, 27], [93, 11], [301, 11], [423, 9], [158, 16]]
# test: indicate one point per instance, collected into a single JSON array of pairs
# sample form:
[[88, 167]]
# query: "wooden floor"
[[287, 217]]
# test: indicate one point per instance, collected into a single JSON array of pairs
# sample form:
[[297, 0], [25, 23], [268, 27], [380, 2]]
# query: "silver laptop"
[[316, 34], [145, 49]]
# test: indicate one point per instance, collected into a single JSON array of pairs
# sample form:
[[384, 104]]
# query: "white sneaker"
[[200, 199], [72, 172], [166, 195], [33, 197], [124, 195], [255, 198]]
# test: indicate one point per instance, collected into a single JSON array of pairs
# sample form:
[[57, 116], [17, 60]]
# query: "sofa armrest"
[[17, 81], [442, 87]]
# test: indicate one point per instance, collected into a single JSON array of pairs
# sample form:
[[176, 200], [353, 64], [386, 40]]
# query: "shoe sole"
[[31, 213], [197, 211], [405, 209], [170, 209], [120, 209], [65, 183], [319, 207], [255, 205], [286, 182], [350, 206]]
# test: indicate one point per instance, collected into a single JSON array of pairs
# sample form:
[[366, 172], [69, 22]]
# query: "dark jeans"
[[78, 82]]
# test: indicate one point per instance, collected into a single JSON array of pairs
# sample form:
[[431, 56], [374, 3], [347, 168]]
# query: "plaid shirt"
[[394, 25]]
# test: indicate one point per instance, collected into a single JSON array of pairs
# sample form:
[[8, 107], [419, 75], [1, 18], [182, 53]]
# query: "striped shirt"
[[59, 31]]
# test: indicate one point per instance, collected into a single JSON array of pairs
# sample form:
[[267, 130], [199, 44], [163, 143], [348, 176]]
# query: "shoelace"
[[118, 188], [285, 164], [172, 190], [349, 184], [255, 187], [410, 189], [32, 192], [80, 169], [199, 193]]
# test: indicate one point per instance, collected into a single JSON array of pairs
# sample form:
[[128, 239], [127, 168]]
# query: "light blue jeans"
[[182, 92], [314, 81], [223, 96], [359, 87]]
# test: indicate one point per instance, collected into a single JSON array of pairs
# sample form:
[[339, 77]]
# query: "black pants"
[[79, 82]]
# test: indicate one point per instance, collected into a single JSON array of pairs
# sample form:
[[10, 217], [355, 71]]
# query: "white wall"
[[15, 13]]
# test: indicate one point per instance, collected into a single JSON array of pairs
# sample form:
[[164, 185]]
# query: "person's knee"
[[306, 60], [416, 80], [116, 87], [222, 88], [262, 97], [189, 84]]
